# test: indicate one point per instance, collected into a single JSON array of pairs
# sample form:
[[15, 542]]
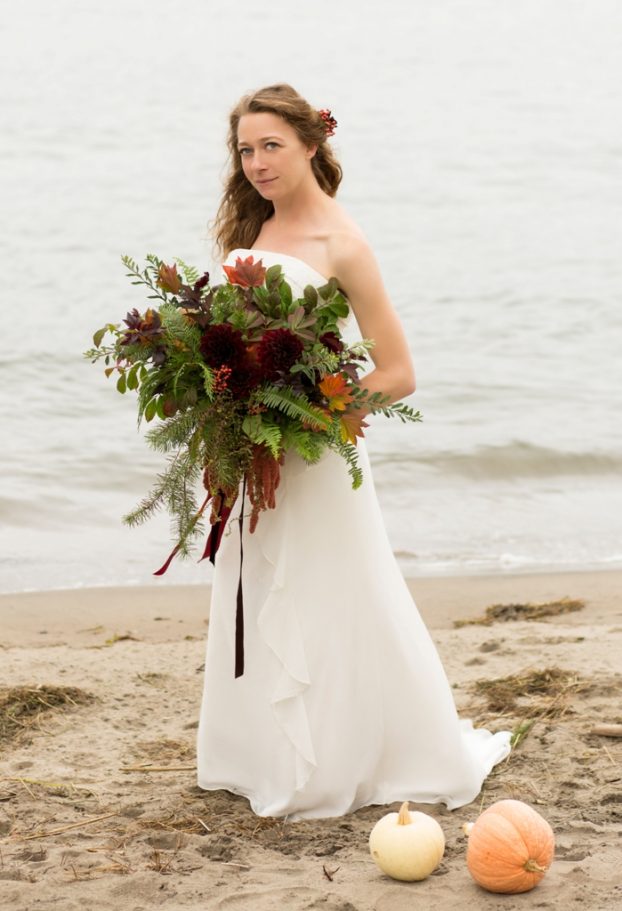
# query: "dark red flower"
[[277, 352], [222, 344], [244, 378], [332, 341]]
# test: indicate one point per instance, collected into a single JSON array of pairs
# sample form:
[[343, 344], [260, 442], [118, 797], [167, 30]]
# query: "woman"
[[344, 701]]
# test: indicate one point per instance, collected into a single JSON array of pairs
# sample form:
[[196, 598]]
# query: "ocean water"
[[483, 158]]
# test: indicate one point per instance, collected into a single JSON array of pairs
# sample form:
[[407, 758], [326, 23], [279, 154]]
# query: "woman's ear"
[[311, 150]]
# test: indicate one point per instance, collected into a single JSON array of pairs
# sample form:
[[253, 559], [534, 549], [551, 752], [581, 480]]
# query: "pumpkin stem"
[[403, 818], [532, 866]]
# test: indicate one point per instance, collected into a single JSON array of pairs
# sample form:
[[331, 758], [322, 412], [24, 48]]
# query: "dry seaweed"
[[546, 692], [21, 707], [506, 612]]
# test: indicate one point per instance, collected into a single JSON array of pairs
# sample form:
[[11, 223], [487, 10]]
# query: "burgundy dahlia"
[[277, 352], [244, 378], [222, 344]]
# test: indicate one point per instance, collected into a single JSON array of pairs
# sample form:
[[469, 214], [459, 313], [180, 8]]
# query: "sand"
[[83, 823]]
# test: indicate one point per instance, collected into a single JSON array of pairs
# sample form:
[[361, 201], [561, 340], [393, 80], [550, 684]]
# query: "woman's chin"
[[267, 190]]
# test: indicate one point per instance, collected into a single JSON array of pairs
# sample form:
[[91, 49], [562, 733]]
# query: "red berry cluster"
[[329, 121], [221, 377]]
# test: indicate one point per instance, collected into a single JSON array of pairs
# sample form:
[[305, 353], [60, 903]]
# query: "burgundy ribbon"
[[239, 613], [215, 536]]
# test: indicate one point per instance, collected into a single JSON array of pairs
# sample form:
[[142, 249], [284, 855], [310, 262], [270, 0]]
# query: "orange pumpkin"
[[510, 847]]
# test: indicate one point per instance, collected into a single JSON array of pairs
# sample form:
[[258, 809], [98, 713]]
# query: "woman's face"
[[273, 158]]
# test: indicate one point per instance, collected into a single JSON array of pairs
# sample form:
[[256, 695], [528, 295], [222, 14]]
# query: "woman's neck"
[[303, 206]]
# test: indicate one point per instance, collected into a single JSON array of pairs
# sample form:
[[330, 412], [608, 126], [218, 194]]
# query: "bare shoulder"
[[352, 261]]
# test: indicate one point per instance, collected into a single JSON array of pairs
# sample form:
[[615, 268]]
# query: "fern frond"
[[190, 274], [307, 443], [349, 452], [178, 330], [293, 404], [263, 432]]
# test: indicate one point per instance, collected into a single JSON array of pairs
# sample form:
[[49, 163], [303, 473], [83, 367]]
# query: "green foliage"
[[147, 276], [349, 453], [177, 430], [293, 404], [245, 321], [286, 298], [310, 296], [225, 449], [149, 386], [179, 333], [226, 300], [190, 274], [260, 430], [174, 491], [317, 358], [307, 443], [379, 404], [274, 275]]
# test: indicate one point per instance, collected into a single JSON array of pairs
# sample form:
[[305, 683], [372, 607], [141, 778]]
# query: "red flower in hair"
[[329, 120]]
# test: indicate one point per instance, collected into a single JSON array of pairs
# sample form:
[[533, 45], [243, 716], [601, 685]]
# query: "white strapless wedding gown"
[[343, 701]]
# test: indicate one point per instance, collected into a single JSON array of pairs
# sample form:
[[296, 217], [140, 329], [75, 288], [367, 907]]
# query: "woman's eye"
[[274, 144], [244, 151]]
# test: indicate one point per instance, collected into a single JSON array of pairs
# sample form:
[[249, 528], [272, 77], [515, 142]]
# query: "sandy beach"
[[98, 802]]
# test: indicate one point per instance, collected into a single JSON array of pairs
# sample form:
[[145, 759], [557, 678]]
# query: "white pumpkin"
[[407, 845]]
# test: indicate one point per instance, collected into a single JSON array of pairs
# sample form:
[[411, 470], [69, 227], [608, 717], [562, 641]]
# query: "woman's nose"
[[258, 162]]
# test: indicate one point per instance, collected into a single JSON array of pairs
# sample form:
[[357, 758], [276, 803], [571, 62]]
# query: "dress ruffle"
[[279, 627]]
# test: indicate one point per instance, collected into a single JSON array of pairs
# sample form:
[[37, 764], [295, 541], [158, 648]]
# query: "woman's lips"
[[263, 183]]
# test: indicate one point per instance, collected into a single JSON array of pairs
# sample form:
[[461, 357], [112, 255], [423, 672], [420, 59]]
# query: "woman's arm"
[[359, 277]]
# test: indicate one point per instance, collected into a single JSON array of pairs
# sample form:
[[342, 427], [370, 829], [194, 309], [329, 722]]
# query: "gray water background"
[[482, 151]]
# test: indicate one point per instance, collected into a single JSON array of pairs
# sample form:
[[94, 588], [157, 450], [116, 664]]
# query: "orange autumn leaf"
[[335, 388], [351, 426], [247, 273], [168, 279]]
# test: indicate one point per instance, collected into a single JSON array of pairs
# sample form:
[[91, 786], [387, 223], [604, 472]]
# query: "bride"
[[343, 701]]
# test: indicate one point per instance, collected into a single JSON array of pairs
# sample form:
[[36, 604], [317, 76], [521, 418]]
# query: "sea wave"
[[507, 461]]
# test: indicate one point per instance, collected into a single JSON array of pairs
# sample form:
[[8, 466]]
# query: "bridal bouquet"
[[237, 374]]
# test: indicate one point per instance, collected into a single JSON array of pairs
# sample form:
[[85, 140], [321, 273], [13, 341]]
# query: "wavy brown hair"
[[242, 209]]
